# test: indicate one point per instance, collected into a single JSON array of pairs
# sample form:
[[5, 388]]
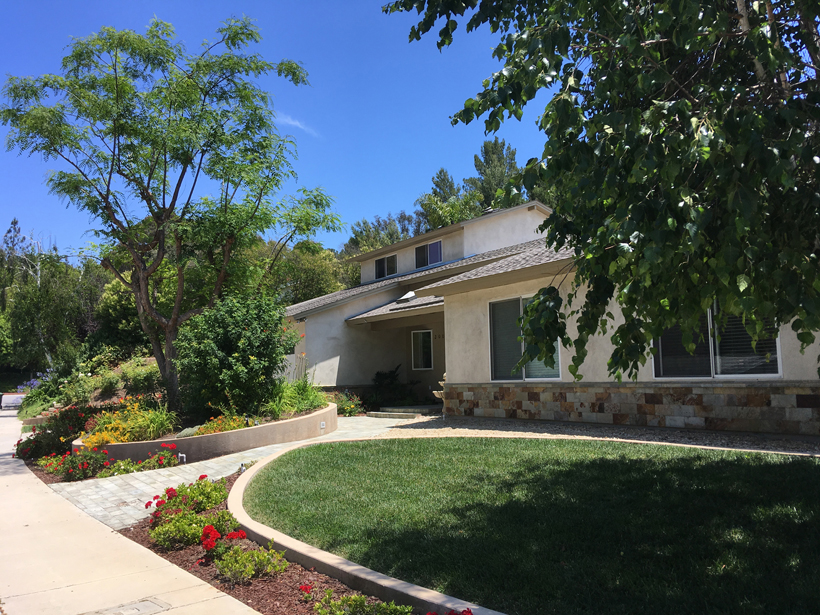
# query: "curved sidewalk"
[[119, 501], [58, 560]]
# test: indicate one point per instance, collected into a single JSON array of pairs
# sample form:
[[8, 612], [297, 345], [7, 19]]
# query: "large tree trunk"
[[170, 373]]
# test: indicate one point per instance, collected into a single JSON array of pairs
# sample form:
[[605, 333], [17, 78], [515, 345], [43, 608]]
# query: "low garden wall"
[[199, 448], [767, 407]]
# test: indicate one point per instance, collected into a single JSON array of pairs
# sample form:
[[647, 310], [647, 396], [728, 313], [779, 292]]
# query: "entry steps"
[[405, 412]]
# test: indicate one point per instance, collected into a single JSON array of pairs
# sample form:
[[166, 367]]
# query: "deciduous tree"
[[174, 153], [685, 138]]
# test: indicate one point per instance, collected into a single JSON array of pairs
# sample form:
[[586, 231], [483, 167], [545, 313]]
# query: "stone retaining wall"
[[767, 407], [199, 448]]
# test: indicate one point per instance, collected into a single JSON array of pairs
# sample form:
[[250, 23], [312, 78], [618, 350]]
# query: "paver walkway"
[[58, 560], [119, 501]]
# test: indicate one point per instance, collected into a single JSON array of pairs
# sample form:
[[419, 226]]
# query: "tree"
[[495, 165], [305, 272], [174, 153], [444, 186], [438, 213], [684, 136]]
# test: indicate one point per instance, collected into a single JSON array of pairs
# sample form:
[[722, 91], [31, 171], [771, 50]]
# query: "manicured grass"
[[552, 526]]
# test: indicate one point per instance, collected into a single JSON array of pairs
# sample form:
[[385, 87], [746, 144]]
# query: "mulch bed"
[[274, 595], [42, 474]]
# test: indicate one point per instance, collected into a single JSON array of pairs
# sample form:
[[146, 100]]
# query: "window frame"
[[426, 247], [524, 378], [712, 341], [384, 258], [413, 351]]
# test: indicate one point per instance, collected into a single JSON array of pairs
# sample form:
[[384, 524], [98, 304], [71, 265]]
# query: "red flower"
[[156, 497], [106, 464], [170, 493], [148, 504], [307, 588], [173, 447], [105, 452], [95, 449], [203, 477], [160, 503]]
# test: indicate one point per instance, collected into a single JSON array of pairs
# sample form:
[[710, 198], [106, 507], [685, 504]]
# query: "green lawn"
[[552, 526]]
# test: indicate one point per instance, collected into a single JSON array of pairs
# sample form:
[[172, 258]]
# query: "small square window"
[[428, 254], [422, 350], [386, 266]]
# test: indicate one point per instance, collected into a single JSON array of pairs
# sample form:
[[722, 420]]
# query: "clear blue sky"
[[372, 129]]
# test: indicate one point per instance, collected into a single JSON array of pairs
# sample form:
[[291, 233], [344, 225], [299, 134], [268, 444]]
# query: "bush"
[[56, 435], [220, 424], [140, 378], [239, 566], [231, 355], [108, 382], [77, 389], [185, 528], [347, 404], [78, 466], [194, 497], [142, 418], [294, 397], [357, 605]]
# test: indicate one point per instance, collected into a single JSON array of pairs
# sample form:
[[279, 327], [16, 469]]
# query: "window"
[[728, 352], [385, 266], [428, 254], [506, 350], [422, 350]]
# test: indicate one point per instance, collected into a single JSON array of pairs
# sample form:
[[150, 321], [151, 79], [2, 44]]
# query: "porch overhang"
[[401, 312]]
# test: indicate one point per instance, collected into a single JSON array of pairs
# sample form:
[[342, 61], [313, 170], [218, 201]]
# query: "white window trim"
[[413, 351], [524, 377], [384, 258], [712, 354]]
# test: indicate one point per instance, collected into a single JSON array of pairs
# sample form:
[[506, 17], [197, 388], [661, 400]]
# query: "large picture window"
[[723, 353], [428, 254], [386, 266], [422, 350], [506, 350]]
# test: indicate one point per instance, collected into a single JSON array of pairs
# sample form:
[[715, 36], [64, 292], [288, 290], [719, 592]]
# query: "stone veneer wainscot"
[[767, 407]]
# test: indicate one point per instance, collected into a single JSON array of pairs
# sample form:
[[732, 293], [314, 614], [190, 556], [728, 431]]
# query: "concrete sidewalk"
[[56, 559]]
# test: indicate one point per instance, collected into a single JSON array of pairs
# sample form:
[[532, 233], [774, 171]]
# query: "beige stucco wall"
[[452, 248], [339, 354], [468, 344], [501, 230]]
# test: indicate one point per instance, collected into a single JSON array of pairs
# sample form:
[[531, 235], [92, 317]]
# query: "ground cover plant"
[[191, 527], [95, 463], [566, 526]]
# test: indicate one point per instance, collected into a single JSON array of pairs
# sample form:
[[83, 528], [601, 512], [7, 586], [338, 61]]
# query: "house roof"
[[319, 304], [445, 230], [400, 308], [537, 259]]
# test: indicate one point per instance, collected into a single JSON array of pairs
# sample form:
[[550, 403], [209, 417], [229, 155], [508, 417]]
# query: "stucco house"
[[448, 301]]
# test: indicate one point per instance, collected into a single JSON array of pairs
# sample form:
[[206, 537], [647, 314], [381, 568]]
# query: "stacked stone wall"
[[777, 407]]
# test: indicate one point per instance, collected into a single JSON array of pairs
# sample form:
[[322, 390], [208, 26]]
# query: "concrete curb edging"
[[208, 446], [353, 575]]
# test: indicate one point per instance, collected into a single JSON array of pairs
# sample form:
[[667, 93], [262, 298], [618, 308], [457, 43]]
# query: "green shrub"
[[185, 528], [139, 378], [195, 497], [108, 382], [294, 397], [347, 404], [357, 605], [232, 354], [57, 434], [78, 466], [239, 566]]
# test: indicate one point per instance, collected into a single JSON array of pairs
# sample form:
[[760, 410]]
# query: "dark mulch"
[[42, 474], [275, 595]]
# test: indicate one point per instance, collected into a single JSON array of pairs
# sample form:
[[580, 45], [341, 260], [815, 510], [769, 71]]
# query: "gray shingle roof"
[[400, 308], [348, 294], [531, 257]]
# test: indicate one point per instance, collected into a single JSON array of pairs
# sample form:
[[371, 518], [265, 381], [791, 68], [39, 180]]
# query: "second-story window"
[[385, 266], [428, 254]]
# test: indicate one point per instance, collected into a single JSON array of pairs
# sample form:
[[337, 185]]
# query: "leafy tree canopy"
[[684, 136], [495, 165], [174, 154]]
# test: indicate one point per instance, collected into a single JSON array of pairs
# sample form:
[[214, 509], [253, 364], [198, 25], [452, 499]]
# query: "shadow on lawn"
[[618, 535]]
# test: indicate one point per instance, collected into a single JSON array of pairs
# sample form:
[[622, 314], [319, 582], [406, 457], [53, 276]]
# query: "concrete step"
[[393, 415], [419, 409]]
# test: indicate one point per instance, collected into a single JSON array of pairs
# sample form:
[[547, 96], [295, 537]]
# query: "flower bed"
[[199, 448]]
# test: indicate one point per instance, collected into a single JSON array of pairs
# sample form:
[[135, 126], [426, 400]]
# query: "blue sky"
[[372, 129]]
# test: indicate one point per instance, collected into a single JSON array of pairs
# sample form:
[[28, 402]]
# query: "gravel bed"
[[441, 427]]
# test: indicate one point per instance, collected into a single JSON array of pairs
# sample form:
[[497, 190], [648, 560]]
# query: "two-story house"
[[449, 301]]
